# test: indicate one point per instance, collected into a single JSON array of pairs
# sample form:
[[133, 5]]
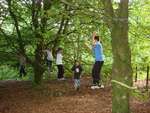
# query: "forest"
[[31, 29]]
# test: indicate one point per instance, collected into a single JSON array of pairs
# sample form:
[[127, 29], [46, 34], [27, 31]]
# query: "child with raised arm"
[[99, 60], [77, 69]]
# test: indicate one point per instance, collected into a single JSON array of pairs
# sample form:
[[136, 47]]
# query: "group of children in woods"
[[76, 68]]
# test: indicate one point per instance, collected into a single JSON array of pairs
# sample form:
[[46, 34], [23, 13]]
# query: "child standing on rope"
[[77, 69], [99, 61], [59, 63], [49, 59], [22, 63]]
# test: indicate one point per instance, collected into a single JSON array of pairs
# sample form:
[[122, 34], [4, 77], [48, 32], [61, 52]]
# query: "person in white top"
[[22, 63], [59, 64], [49, 59]]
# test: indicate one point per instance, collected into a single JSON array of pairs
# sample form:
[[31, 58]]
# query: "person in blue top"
[[99, 61]]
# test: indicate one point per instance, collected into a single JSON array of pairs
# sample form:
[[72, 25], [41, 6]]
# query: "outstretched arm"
[[93, 41]]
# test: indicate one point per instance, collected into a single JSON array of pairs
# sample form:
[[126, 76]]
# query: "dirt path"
[[58, 97]]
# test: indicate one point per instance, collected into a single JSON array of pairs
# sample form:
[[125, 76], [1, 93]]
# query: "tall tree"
[[39, 27], [117, 21]]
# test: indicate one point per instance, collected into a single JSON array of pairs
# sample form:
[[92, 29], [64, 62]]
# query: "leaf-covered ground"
[[58, 97]]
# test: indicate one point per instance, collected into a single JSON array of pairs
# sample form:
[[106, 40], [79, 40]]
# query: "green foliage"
[[83, 17], [140, 95], [7, 72]]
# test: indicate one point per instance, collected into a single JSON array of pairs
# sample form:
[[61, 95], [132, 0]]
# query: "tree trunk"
[[38, 64], [117, 21], [121, 69], [136, 73], [42, 26], [147, 78]]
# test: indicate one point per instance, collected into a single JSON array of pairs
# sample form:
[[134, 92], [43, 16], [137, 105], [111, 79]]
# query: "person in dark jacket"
[[77, 69]]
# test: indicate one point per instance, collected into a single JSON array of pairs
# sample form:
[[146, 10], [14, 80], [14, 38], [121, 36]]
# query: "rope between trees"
[[124, 85]]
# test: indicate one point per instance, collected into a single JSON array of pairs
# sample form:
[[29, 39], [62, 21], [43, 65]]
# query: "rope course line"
[[124, 85]]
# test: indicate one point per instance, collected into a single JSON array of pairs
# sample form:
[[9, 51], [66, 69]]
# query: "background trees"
[[62, 23], [27, 27], [67, 23]]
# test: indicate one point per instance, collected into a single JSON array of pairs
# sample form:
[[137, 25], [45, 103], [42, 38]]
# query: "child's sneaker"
[[95, 87], [92, 87], [61, 79], [101, 86]]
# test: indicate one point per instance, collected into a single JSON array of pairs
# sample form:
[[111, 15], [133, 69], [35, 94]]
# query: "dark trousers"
[[60, 71], [96, 72], [22, 70], [49, 64]]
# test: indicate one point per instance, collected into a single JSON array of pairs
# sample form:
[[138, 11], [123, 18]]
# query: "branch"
[[46, 6], [36, 6], [61, 30], [123, 11], [13, 16], [68, 4], [7, 38], [108, 12]]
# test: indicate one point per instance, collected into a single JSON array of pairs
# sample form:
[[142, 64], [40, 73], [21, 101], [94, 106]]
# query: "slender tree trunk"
[[136, 73], [78, 47], [147, 78], [21, 48]]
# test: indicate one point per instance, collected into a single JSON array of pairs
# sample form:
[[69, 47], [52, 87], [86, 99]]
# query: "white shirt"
[[59, 59], [49, 55], [77, 70]]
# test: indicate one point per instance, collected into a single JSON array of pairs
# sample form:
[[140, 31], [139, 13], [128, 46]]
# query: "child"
[[99, 61], [22, 63], [77, 69], [59, 64], [49, 59]]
